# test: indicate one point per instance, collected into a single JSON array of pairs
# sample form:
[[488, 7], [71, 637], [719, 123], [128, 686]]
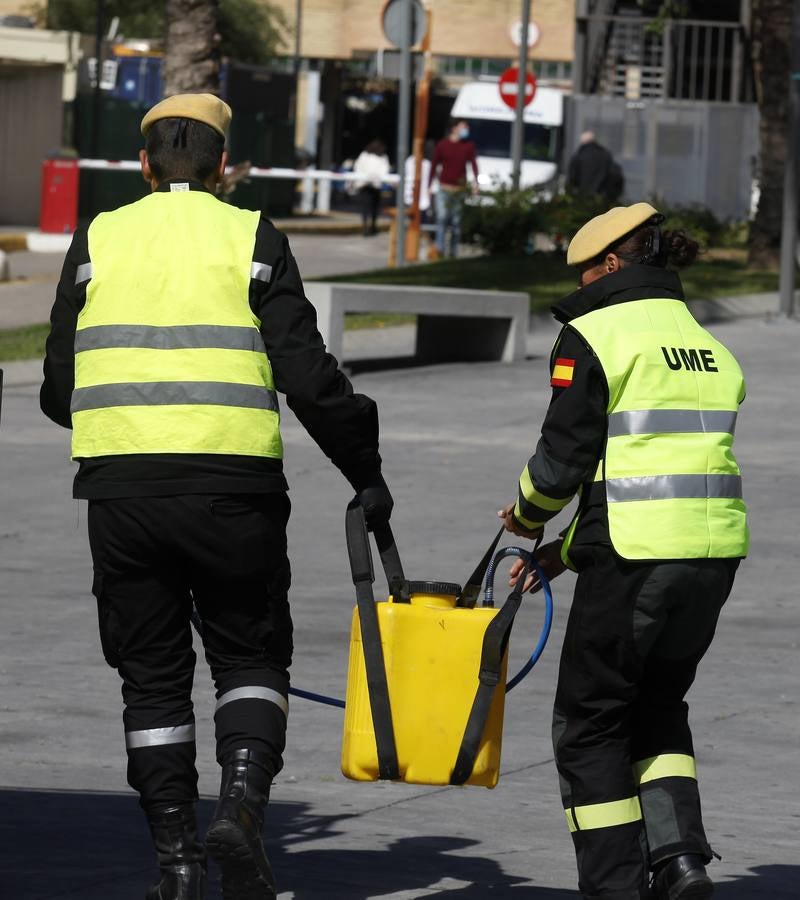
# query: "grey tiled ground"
[[454, 440]]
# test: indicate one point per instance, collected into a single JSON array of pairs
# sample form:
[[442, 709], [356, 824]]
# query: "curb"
[[743, 306]]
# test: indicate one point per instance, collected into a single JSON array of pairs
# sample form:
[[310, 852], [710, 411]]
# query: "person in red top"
[[450, 160]]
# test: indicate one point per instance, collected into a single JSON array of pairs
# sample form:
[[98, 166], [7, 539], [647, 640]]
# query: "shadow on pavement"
[[95, 846], [762, 883]]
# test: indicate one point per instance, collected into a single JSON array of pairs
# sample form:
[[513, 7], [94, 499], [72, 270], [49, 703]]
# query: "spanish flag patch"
[[563, 371]]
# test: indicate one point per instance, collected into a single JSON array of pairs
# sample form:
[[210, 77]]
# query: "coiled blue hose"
[[548, 605]]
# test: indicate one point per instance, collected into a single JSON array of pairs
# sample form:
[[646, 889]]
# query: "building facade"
[[470, 38]]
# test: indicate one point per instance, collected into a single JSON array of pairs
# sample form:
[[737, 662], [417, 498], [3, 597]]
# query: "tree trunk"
[[772, 33], [192, 58]]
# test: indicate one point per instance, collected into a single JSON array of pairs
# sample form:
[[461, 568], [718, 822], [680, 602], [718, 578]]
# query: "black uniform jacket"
[[574, 429], [343, 423]]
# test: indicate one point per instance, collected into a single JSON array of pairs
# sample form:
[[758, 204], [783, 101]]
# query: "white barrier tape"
[[255, 172]]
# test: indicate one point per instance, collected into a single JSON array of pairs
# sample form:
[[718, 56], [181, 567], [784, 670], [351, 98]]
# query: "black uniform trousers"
[[623, 747], [153, 558]]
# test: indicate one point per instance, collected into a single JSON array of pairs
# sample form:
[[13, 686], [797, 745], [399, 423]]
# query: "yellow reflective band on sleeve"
[[526, 523], [541, 500], [604, 815], [667, 765]]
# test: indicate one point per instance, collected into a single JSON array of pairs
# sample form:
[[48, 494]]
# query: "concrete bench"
[[452, 324]]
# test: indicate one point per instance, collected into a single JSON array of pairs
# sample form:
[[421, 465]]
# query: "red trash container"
[[59, 212]]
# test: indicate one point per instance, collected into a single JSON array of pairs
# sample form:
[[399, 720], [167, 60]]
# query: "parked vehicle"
[[491, 121]]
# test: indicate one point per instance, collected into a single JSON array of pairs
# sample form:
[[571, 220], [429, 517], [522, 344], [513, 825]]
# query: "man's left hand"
[[511, 524]]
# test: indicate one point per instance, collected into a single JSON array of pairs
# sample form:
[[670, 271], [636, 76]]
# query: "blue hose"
[[548, 605], [317, 698]]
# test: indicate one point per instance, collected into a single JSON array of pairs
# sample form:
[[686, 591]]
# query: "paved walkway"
[[454, 438]]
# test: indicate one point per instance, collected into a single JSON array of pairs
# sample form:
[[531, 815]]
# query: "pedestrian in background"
[[176, 320], [372, 165], [641, 424], [451, 158], [592, 171]]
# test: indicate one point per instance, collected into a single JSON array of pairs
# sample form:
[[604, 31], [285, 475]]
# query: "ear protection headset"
[[655, 253]]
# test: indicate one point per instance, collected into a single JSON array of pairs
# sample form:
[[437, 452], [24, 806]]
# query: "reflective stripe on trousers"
[[603, 815], [254, 692], [158, 737], [666, 765]]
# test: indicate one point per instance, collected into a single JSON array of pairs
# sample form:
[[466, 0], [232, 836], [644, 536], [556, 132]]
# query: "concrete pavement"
[[454, 438]]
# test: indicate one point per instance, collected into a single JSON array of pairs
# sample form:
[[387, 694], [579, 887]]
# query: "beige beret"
[[205, 108], [602, 231]]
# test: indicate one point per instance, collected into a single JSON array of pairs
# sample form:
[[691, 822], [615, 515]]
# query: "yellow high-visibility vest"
[[670, 479], [168, 353]]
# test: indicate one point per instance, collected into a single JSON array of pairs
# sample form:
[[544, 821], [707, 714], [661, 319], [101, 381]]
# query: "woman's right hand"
[[549, 558]]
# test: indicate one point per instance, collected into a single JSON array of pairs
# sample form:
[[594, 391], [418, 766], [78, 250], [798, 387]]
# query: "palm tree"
[[772, 34], [192, 57]]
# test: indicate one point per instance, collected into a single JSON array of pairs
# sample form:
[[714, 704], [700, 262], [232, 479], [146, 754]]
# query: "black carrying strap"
[[495, 641], [363, 578], [472, 589]]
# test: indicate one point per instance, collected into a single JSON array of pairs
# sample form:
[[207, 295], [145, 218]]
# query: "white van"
[[490, 124]]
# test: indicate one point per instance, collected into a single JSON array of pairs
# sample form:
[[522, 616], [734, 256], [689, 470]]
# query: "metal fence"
[[684, 152], [637, 58]]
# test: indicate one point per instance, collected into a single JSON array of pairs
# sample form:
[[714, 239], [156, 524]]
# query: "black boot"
[[683, 878], [180, 855], [234, 836]]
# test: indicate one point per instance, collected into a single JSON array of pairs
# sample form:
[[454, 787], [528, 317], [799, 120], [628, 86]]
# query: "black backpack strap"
[[472, 589], [495, 641], [363, 578]]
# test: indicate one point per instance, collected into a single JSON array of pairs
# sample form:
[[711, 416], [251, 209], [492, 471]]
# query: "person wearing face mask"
[[450, 160], [640, 426]]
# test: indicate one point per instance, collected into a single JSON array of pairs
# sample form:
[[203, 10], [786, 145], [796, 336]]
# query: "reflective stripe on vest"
[[169, 337], [686, 421], [174, 393], [672, 487], [169, 357], [669, 476]]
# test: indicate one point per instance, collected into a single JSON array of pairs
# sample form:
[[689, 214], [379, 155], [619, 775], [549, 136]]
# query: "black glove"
[[377, 503]]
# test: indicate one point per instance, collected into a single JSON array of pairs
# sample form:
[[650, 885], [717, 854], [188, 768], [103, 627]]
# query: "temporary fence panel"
[[688, 153]]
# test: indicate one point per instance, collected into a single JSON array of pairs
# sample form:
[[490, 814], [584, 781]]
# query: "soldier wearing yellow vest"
[[177, 321], [640, 426]]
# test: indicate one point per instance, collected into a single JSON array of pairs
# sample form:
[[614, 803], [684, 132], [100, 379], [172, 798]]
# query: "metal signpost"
[[404, 24], [518, 133], [790, 187]]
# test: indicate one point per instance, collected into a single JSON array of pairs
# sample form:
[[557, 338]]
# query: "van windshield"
[[494, 139]]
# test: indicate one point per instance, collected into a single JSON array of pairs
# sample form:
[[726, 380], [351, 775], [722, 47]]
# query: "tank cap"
[[448, 588]]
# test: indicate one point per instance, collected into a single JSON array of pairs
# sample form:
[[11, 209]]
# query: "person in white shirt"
[[373, 167]]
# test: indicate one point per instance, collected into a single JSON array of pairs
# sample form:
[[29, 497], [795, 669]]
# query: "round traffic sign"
[[393, 22], [508, 87], [534, 33]]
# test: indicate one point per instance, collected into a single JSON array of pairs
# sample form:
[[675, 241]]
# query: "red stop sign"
[[508, 87]]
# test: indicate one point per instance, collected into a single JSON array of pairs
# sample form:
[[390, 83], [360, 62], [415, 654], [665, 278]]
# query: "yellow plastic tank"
[[432, 651]]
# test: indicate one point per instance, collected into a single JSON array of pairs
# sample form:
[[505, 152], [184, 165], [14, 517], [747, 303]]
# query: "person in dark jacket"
[[640, 426], [176, 321], [593, 172]]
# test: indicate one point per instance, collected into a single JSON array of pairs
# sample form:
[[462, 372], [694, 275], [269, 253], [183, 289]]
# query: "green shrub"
[[502, 220], [563, 215], [697, 221]]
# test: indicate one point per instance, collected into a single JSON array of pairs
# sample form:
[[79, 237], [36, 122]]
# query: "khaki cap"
[[205, 108], [602, 231]]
